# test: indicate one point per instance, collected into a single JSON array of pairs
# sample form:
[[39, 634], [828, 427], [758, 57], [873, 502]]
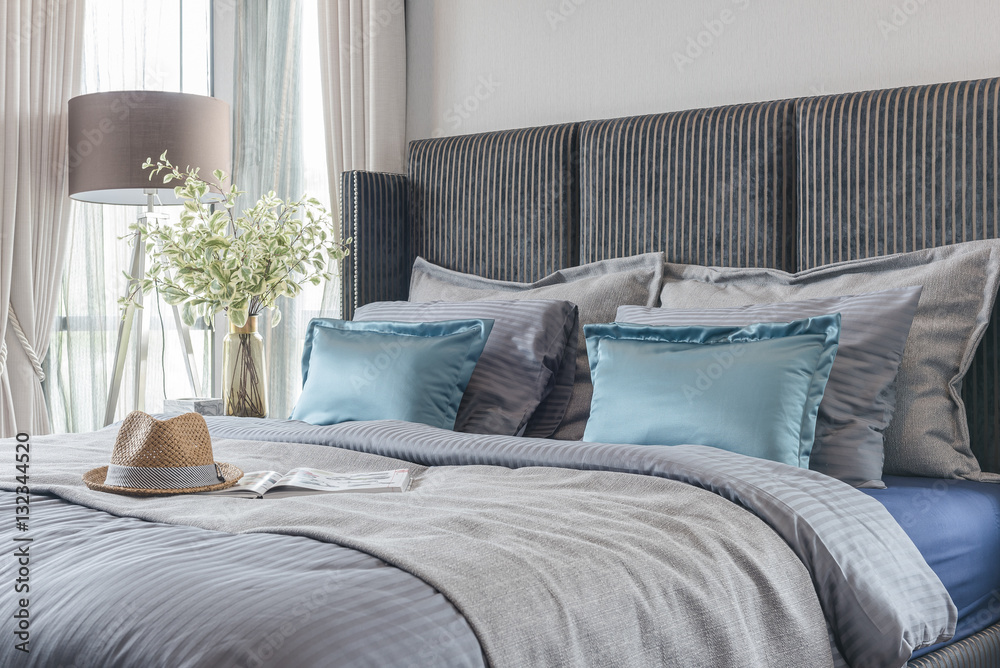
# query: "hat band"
[[175, 477]]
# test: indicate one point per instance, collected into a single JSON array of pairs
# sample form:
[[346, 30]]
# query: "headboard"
[[898, 170], [709, 186], [501, 205], [790, 184]]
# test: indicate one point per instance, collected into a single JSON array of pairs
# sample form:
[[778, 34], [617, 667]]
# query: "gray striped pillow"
[[528, 359], [929, 433], [597, 289], [860, 394]]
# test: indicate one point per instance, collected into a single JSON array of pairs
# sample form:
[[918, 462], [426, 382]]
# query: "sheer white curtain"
[[278, 144], [351, 82], [267, 136], [129, 45], [39, 73], [363, 66]]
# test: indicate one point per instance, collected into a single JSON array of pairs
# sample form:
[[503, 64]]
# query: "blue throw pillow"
[[376, 370], [754, 390]]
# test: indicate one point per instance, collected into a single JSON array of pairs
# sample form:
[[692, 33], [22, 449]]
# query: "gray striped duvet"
[[117, 591], [496, 542]]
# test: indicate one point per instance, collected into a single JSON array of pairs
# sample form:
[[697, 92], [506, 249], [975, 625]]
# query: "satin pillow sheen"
[[860, 396], [519, 368], [929, 432], [416, 372], [753, 390], [598, 289]]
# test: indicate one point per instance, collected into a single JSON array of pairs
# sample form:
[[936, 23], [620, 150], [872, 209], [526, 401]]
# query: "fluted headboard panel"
[[708, 186], [899, 170], [374, 215], [500, 204], [790, 184]]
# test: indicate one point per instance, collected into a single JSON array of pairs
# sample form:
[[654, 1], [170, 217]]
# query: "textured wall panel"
[[374, 214], [707, 186], [501, 205]]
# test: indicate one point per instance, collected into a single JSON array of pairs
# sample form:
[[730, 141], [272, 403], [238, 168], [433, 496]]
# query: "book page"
[[325, 481], [256, 482]]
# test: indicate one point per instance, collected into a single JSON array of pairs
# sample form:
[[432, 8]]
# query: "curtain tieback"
[[25, 344]]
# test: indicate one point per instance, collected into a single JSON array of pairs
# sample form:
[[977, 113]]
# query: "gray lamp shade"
[[112, 134]]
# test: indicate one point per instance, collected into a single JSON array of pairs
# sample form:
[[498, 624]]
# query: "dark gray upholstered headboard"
[[898, 170], [374, 208], [790, 184], [501, 205], [709, 186]]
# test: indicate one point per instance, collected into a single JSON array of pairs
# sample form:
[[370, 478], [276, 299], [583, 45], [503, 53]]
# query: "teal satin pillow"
[[754, 389], [376, 370]]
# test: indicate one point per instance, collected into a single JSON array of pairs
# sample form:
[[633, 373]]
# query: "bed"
[[534, 537]]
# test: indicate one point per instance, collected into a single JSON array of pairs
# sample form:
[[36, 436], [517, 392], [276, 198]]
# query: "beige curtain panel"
[[40, 70], [363, 66]]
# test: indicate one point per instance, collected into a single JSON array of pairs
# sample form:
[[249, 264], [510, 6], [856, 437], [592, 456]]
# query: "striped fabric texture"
[[524, 378], [898, 170], [981, 650], [597, 289], [874, 586], [707, 186], [790, 185], [501, 546], [501, 205], [891, 171], [170, 477], [374, 214], [192, 597], [928, 435]]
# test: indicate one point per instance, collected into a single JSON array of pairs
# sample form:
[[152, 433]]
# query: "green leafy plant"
[[215, 261]]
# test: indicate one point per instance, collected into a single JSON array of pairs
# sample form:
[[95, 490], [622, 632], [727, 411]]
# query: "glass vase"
[[244, 379]]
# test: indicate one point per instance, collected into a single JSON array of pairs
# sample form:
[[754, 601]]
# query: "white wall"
[[478, 65]]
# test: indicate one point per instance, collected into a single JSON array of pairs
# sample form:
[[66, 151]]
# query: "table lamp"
[[110, 136]]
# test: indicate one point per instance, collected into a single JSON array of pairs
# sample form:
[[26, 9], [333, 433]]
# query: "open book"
[[313, 481]]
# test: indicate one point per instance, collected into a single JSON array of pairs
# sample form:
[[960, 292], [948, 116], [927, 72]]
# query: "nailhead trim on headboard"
[[374, 213]]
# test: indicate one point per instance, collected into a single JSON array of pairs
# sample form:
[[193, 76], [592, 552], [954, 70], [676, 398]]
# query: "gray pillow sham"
[[598, 289], [531, 341], [929, 432], [859, 399]]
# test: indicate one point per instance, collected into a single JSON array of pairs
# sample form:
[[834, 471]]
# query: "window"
[[129, 45], [168, 45]]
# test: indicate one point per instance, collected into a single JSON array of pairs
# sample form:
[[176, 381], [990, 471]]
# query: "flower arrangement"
[[218, 261]]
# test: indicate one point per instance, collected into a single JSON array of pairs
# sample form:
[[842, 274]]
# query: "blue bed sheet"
[[956, 526]]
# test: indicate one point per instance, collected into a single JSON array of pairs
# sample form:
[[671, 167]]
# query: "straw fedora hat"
[[162, 457]]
